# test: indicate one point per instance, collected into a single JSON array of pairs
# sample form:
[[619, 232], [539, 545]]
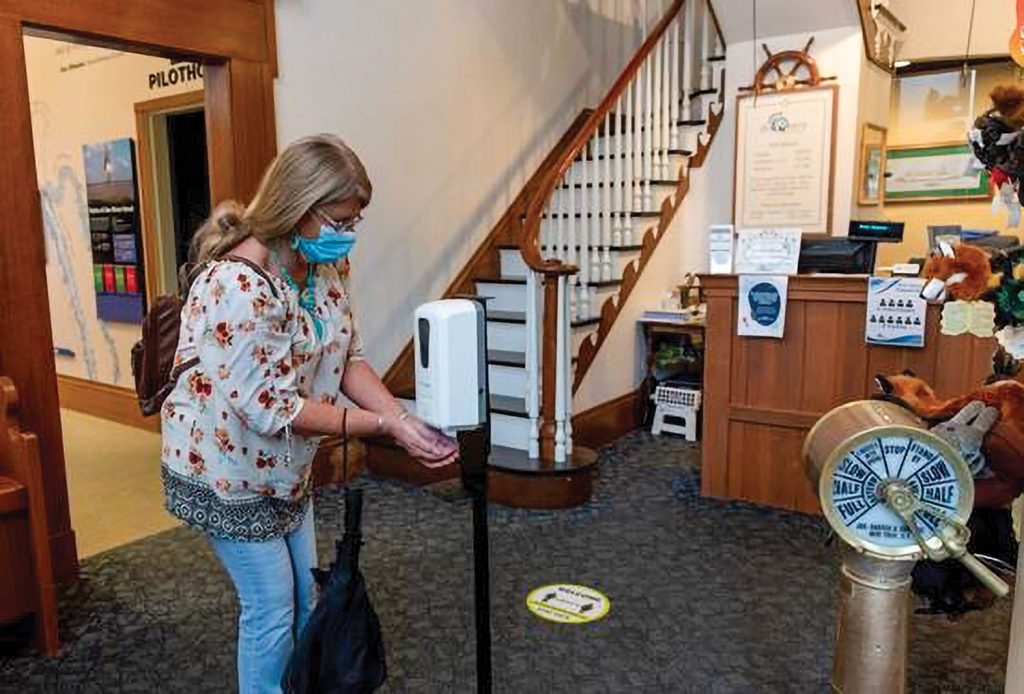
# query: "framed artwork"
[[872, 165], [785, 151], [929, 173]]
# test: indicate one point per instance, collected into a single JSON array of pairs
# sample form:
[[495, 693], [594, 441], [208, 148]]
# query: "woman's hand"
[[423, 442]]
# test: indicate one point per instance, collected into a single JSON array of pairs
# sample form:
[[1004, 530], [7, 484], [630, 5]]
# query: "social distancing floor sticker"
[[567, 603]]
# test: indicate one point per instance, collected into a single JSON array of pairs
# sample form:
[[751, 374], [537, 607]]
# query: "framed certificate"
[[785, 151]]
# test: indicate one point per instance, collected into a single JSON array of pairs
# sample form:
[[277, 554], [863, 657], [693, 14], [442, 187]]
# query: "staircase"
[[568, 252]]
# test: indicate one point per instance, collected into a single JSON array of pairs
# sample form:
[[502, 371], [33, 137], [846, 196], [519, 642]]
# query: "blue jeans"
[[276, 594]]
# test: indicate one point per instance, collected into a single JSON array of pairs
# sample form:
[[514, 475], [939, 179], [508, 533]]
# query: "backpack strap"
[[255, 268]]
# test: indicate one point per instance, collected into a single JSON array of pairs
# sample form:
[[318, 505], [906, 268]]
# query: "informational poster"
[[762, 305], [896, 313], [784, 157], [115, 230], [768, 251], [720, 249]]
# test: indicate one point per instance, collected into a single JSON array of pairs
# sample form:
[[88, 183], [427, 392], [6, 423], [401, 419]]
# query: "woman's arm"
[[363, 386], [319, 419]]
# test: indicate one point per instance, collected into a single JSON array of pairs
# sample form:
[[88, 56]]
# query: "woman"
[[267, 345]]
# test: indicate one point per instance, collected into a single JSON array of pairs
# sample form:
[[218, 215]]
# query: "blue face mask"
[[329, 247]]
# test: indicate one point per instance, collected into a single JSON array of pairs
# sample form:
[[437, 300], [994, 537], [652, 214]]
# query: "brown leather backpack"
[[153, 355]]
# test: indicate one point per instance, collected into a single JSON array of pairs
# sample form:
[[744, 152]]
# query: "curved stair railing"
[[580, 217]]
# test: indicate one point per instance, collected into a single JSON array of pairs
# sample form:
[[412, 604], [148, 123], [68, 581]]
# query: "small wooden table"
[[654, 330]]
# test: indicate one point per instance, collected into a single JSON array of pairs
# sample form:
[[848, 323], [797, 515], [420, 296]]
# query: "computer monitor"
[[878, 231], [836, 255]]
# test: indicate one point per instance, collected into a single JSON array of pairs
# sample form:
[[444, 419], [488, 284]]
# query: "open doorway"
[[121, 160], [174, 180]]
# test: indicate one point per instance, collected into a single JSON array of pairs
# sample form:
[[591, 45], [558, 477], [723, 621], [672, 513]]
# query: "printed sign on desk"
[[896, 312], [768, 251], [762, 305]]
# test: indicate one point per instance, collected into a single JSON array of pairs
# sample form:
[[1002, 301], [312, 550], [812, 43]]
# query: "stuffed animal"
[[1008, 100], [1003, 447], [966, 274]]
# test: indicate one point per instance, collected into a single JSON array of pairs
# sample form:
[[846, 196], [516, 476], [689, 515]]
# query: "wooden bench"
[[26, 572]]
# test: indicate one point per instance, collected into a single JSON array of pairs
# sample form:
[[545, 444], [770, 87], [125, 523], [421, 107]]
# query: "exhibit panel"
[[761, 396]]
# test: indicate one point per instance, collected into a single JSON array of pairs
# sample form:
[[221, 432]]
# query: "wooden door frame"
[[145, 111], [235, 41]]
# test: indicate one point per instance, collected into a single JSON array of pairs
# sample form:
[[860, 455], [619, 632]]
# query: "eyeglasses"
[[339, 225]]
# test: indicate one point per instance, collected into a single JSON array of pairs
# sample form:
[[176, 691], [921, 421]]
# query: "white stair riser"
[[507, 380], [510, 337], [595, 168], [631, 232], [513, 432], [512, 265], [565, 197], [504, 297]]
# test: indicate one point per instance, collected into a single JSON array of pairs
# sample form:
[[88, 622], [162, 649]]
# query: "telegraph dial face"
[[855, 475]]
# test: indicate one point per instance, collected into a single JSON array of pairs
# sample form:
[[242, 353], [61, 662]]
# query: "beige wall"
[[918, 216], [938, 28], [451, 104], [82, 95]]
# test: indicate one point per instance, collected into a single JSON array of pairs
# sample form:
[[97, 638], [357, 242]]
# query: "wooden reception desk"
[[761, 395]]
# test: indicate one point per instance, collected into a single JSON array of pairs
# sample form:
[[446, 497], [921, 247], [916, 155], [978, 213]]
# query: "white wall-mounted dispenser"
[[451, 364]]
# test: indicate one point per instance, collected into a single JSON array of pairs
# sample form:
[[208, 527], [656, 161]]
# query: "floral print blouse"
[[232, 466]]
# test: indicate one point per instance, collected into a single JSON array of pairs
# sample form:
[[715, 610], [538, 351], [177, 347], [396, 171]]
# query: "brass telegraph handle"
[[953, 535]]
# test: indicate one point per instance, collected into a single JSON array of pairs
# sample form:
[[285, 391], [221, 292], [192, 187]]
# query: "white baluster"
[[583, 300], [560, 352], [618, 195], [636, 128], [571, 256], [594, 213], [648, 135], [567, 388], [666, 101], [628, 191], [532, 364], [606, 203], [688, 56], [559, 210], [705, 45], [658, 88], [673, 116]]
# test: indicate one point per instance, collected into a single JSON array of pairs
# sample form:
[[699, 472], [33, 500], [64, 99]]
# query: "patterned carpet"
[[706, 597]]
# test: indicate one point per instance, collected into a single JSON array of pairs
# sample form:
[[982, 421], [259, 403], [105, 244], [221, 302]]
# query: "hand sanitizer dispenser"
[[451, 364]]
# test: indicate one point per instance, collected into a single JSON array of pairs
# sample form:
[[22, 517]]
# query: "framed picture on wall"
[[872, 165], [785, 151], [931, 173]]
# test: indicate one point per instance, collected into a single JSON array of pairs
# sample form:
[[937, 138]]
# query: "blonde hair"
[[315, 170]]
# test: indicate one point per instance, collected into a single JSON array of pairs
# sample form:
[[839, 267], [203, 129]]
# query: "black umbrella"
[[341, 650]]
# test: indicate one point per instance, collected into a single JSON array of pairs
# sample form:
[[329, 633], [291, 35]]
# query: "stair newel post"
[[673, 115], [558, 364], [532, 365], [618, 204], [548, 366], [688, 56], [606, 203]]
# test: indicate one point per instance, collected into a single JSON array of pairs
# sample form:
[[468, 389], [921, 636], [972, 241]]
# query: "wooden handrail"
[[546, 186]]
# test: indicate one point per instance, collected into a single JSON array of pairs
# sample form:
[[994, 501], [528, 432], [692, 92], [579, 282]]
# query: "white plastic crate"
[[673, 401]]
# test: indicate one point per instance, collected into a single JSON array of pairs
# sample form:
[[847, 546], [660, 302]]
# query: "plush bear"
[[1008, 100]]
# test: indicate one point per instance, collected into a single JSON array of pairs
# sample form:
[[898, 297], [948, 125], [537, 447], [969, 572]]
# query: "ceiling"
[[782, 17]]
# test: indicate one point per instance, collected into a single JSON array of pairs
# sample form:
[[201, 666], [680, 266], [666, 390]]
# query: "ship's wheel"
[[786, 70]]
